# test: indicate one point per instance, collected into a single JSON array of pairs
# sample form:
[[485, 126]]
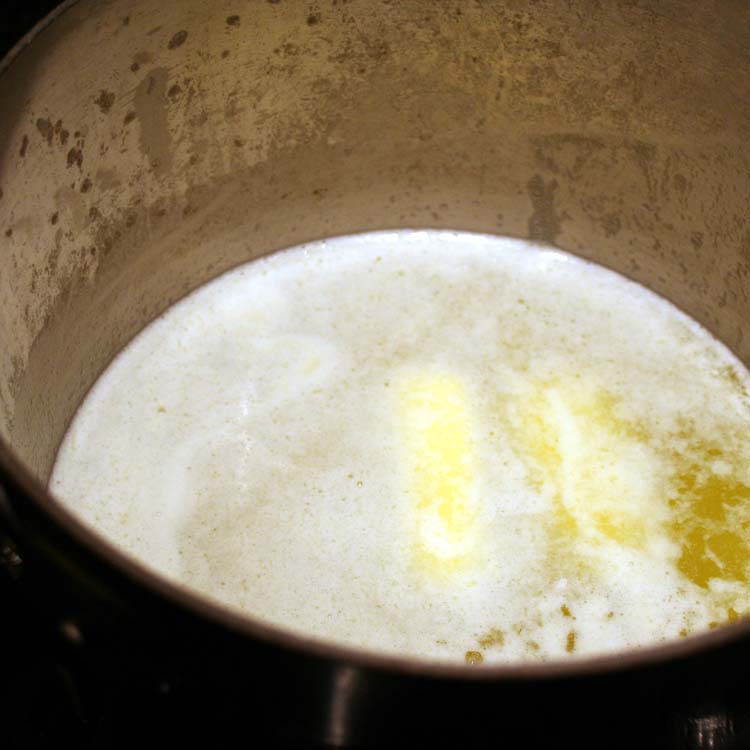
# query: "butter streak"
[[441, 485]]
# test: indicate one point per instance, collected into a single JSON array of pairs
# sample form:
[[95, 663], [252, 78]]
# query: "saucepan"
[[148, 146]]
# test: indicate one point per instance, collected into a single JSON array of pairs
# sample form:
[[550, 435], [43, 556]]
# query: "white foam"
[[250, 443]]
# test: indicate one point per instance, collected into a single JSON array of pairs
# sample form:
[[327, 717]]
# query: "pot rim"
[[186, 601]]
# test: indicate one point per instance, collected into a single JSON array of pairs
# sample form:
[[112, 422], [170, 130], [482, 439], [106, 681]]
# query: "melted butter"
[[581, 453], [711, 513], [589, 458], [438, 445]]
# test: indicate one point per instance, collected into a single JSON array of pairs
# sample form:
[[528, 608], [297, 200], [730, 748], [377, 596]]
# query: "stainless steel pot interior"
[[148, 146]]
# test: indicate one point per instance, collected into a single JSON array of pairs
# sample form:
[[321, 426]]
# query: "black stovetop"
[[38, 704], [50, 697]]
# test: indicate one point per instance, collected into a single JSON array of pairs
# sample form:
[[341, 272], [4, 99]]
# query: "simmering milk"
[[444, 445]]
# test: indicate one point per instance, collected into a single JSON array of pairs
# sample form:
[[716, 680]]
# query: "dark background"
[[19, 16]]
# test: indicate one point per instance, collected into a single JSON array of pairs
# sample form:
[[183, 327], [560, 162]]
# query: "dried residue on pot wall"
[[150, 145]]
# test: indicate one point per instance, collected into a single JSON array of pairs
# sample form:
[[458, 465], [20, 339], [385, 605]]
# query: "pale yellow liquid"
[[444, 445]]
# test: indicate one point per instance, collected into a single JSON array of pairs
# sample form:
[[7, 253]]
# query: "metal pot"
[[148, 146]]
